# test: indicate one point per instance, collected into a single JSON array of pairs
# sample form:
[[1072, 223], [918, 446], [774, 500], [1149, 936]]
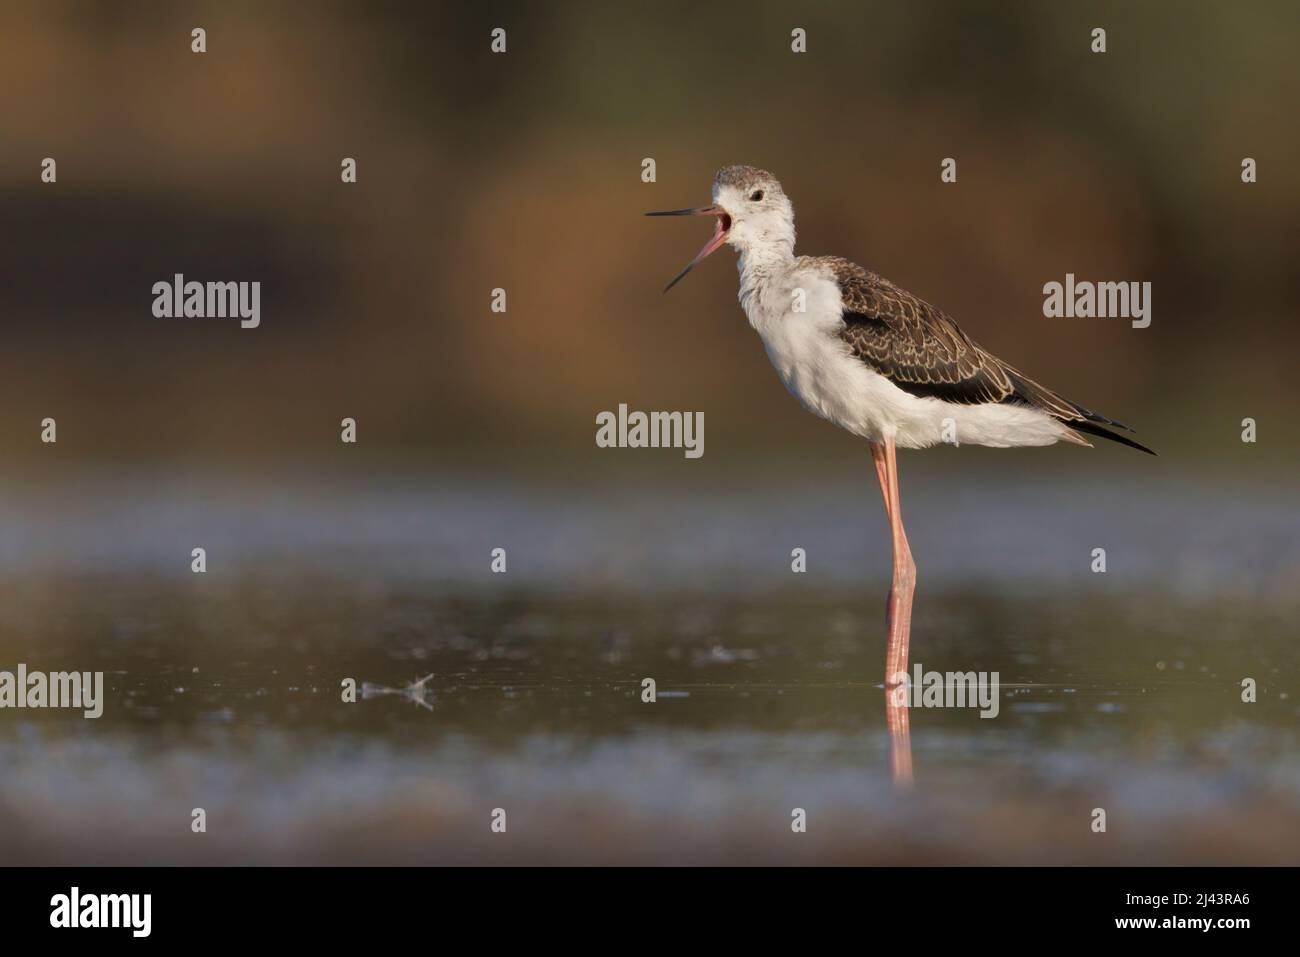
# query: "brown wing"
[[922, 351]]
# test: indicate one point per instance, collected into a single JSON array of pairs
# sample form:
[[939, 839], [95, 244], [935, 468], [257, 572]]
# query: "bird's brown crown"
[[745, 178]]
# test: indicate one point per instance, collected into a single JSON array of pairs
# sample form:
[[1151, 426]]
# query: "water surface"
[[1120, 691]]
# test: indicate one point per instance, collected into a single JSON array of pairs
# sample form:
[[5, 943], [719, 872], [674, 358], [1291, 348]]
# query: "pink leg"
[[899, 608], [898, 615], [900, 592], [878, 456]]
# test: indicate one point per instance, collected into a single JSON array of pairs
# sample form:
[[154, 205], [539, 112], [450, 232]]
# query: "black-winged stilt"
[[877, 361]]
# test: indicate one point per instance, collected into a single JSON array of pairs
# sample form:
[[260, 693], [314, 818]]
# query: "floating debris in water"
[[720, 655], [415, 692]]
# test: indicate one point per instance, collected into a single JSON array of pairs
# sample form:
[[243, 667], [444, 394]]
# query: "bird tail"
[[1077, 417], [1092, 429]]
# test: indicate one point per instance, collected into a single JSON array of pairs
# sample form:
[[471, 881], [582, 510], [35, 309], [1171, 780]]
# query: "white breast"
[[818, 369]]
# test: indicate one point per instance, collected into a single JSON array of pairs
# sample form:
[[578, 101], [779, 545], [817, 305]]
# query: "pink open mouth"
[[720, 233]]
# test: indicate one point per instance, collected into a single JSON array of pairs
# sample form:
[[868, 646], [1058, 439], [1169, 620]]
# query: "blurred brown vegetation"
[[523, 171]]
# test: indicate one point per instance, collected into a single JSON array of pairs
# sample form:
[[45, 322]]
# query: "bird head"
[[753, 215]]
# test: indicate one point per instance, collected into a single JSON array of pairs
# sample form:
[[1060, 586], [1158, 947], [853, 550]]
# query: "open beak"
[[719, 235]]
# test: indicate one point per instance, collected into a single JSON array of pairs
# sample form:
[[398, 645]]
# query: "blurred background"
[[523, 171], [476, 429]]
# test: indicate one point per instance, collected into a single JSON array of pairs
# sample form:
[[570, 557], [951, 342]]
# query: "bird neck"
[[763, 261], [761, 268]]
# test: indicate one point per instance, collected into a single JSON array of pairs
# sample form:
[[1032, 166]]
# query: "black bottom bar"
[[376, 907]]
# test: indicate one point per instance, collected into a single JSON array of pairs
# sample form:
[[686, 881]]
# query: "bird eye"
[[756, 195]]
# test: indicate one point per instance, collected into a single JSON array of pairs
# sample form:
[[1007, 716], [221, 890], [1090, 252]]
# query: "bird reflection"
[[900, 737]]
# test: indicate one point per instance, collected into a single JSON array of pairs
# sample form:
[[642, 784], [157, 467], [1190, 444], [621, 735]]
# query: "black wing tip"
[[1029, 391], [1091, 428], [1101, 419], [1096, 417]]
